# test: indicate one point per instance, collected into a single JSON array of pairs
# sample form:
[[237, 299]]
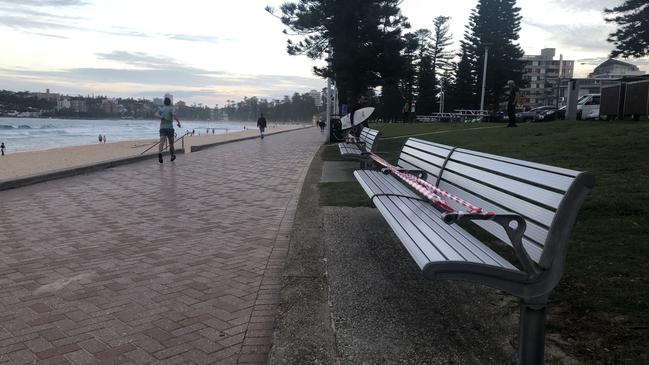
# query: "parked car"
[[542, 113], [587, 107]]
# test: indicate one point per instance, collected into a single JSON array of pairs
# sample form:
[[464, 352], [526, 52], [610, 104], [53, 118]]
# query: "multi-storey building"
[[543, 74]]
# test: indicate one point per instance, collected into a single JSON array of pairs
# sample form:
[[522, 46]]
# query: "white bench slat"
[[349, 149], [546, 197], [535, 165], [415, 157], [508, 202], [531, 174], [431, 147]]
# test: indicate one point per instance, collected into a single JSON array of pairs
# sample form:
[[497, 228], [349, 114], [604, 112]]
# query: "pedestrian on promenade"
[[511, 103], [2, 148], [104, 138], [100, 138], [261, 124], [167, 115]]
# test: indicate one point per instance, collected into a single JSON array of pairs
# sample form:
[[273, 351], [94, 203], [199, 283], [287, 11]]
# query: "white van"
[[588, 106]]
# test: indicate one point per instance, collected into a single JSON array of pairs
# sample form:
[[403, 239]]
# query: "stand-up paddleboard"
[[360, 116]]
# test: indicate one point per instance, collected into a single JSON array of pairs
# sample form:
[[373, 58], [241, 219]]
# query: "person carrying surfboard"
[[167, 115], [261, 124]]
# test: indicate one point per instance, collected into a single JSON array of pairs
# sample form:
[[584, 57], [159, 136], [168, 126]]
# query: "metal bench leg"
[[531, 338]]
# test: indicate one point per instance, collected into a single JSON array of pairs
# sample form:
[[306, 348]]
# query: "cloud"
[[25, 23], [194, 38], [163, 73], [48, 35], [584, 37], [45, 3], [27, 18], [598, 5], [593, 61], [139, 59]]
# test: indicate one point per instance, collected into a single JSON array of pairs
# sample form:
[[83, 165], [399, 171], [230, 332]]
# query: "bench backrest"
[[369, 136], [547, 197], [423, 155]]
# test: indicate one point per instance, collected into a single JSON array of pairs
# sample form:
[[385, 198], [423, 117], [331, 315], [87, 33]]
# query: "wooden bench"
[[535, 209], [359, 150]]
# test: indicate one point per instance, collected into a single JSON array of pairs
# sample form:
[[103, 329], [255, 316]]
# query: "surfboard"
[[360, 116]]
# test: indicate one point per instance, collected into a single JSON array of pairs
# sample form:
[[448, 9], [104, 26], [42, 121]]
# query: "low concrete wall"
[[58, 174], [84, 169]]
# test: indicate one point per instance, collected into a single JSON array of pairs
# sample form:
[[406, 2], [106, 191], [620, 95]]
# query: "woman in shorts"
[[167, 115]]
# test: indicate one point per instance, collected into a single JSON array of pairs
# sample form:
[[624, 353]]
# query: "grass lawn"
[[601, 307]]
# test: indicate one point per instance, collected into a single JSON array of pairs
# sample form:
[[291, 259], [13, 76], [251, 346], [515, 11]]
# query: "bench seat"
[[367, 142], [350, 150], [434, 245]]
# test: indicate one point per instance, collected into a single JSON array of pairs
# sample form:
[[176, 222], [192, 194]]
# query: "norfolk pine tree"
[[353, 32], [497, 23], [425, 100], [632, 37]]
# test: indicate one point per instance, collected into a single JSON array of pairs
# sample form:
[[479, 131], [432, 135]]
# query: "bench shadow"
[[384, 310]]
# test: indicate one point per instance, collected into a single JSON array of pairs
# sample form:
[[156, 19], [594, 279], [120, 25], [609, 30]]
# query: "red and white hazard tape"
[[431, 191]]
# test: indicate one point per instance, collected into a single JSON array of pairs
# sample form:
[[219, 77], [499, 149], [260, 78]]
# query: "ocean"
[[33, 134]]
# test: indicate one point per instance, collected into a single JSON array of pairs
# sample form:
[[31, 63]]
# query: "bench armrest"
[[513, 224]]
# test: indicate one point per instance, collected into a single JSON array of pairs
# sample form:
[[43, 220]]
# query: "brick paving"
[[147, 263]]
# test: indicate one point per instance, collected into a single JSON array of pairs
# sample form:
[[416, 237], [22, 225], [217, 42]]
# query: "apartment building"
[[543, 74]]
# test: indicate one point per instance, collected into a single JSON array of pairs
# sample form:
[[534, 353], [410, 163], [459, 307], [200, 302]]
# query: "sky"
[[213, 51]]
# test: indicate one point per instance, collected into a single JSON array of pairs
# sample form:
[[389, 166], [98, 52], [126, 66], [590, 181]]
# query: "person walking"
[[167, 115], [100, 137], [261, 124], [2, 148], [511, 103], [104, 138]]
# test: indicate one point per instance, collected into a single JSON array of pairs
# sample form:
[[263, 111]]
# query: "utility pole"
[[484, 73], [441, 97], [328, 113], [559, 80]]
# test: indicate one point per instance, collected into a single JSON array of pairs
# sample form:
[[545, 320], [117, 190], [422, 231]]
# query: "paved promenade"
[[147, 263]]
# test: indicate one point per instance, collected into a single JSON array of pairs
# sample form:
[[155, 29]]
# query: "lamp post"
[[484, 73], [328, 112]]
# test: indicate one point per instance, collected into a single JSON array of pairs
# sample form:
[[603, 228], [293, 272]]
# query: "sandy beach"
[[24, 164]]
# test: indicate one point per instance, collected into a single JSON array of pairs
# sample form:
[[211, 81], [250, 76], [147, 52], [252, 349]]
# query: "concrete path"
[[147, 263]]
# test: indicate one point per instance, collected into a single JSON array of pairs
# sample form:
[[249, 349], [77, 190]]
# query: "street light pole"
[[328, 113], [484, 74]]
